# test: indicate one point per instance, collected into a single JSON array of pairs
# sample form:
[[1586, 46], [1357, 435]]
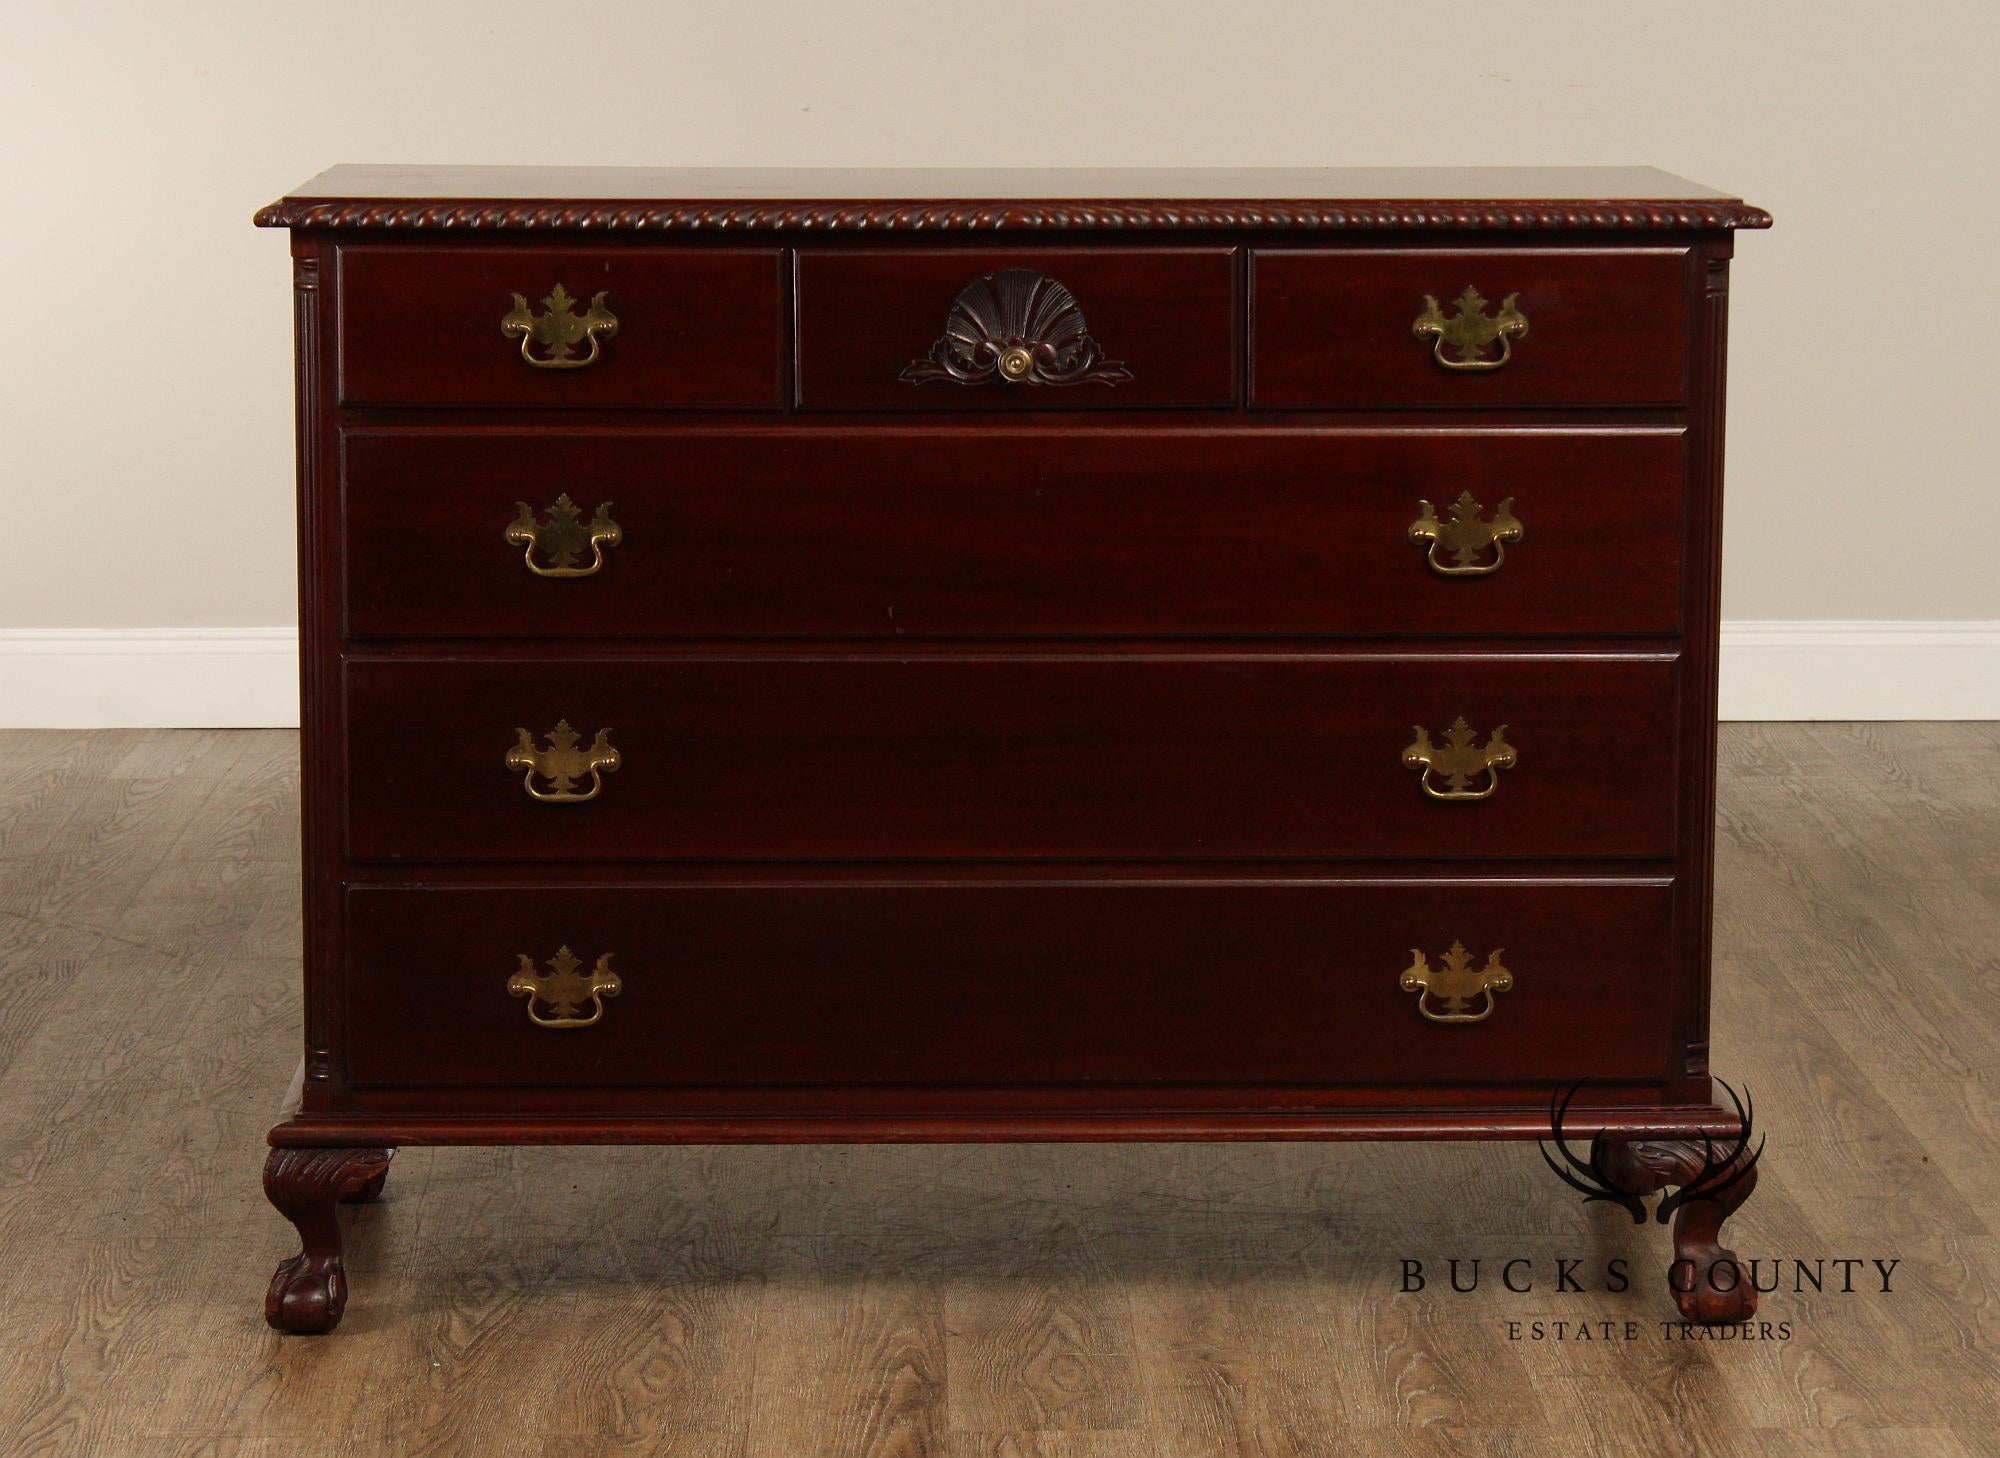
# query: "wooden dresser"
[[820, 656]]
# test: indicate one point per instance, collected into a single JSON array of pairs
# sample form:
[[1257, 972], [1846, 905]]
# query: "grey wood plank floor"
[[1136, 1301]]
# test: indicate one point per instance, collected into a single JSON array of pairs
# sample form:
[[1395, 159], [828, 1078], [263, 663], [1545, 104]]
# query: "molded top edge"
[[821, 199]]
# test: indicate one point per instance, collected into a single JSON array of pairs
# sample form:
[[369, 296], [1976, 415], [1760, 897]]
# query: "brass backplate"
[[1470, 331], [565, 988], [1452, 770], [1445, 994], [561, 537], [1475, 545], [549, 340], [563, 764]]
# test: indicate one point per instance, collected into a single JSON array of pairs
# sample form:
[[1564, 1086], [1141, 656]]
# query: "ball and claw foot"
[[309, 1291], [306, 1297], [1708, 1283], [1704, 1296]]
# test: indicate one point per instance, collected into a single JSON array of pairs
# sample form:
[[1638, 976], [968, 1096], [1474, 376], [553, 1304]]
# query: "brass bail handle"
[[1466, 538], [1470, 331], [563, 763], [564, 988], [1445, 994], [549, 339], [561, 537], [1452, 770]]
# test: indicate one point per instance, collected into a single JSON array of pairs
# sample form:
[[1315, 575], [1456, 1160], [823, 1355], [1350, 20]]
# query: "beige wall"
[[145, 380]]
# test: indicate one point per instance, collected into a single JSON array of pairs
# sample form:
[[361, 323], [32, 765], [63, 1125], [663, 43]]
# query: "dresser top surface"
[[368, 195]]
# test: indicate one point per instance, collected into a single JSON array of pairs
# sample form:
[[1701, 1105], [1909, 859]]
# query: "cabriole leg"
[[309, 1291], [1708, 1282]]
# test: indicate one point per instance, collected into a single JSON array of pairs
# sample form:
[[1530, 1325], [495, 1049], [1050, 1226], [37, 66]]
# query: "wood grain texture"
[[1133, 1301], [1010, 755], [421, 326], [769, 986], [1333, 329], [893, 533], [1155, 751]]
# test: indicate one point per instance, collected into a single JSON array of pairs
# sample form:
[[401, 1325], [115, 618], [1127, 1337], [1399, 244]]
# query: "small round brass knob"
[[1015, 362]]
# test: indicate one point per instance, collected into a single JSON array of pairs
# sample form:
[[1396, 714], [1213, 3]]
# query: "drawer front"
[[1017, 329], [1150, 757], [675, 327], [955, 984], [1356, 328], [976, 532]]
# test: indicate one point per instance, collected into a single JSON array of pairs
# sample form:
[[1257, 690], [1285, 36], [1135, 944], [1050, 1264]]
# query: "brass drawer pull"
[[565, 988], [563, 538], [1465, 538], [1459, 762], [562, 764], [558, 332], [1019, 327], [1455, 984], [1469, 333]]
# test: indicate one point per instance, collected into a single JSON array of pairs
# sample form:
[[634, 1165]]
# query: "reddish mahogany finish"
[[1043, 756], [1708, 1283], [696, 327], [308, 1293], [1079, 984], [1333, 327], [1169, 316], [1003, 761], [1089, 201], [977, 532]]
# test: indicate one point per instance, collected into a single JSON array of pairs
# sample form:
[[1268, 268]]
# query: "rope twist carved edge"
[[665, 216]]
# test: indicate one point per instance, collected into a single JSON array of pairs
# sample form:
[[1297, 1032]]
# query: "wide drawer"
[[955, 984], [1008, 755], [1472, 328], [675, 327], [1016, 329], [883, 533]]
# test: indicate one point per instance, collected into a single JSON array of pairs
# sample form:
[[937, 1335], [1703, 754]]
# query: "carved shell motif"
[[1019, 327]]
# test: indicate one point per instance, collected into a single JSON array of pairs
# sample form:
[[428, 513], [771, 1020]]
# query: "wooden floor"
[[1070, 1302]]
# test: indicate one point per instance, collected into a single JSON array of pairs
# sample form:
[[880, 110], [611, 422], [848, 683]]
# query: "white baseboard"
[[240, 678], [167, 678], [1826, 669]]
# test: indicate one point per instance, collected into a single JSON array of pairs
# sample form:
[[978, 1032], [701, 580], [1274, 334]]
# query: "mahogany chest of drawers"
[[841, 657]]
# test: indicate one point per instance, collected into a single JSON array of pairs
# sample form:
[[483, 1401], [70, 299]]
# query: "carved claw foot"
[[1708, 1283], [309, 1291]]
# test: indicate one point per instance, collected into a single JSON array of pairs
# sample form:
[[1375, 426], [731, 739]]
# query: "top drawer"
[[648, 327], [1472, 328], [1016, 329]]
